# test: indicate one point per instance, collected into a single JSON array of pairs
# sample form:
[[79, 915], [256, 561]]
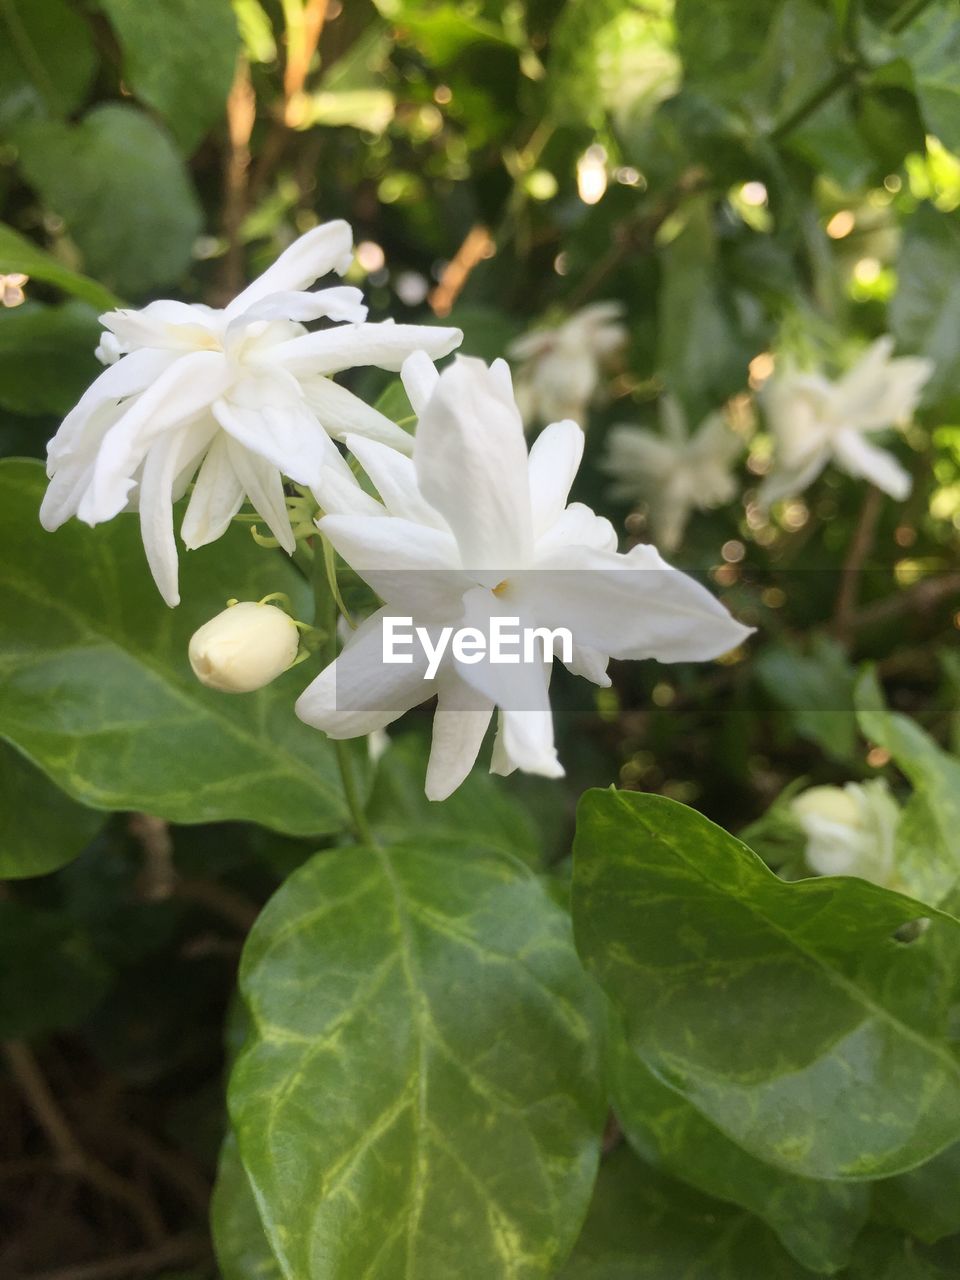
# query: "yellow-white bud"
[[244, 648], [851, 831]]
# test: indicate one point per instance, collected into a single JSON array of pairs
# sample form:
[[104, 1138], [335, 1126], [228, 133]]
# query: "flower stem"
[[326, 617]]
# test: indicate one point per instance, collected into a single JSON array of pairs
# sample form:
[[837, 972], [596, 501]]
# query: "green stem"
[[326, 617], [905, 15]]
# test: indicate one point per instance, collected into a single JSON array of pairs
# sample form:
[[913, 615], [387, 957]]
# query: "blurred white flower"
[[673, 472], [850, 830], [559, 369], [815, 421], [244, 647], [245, 394], [473, 528], [11, 289]]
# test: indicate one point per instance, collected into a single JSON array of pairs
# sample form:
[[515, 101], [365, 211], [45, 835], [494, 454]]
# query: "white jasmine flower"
[[850, 830], [11, 289], [244, 648], [245, 394], [815, 421], [473, 528], [674, 472], [559, 369]]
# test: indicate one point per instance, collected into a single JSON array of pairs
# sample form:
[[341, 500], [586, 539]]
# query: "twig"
[[860, 547], [477, 246], [159, 877], [241, 114], [225, 902], [143, 1263], [304, 28], [918, 598], [36, 1093]]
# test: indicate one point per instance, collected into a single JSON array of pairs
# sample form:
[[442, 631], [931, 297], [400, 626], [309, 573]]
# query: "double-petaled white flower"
[[471, 528], [238, 397], [559, 369], [850, 830], [674, 472], [815, 421]]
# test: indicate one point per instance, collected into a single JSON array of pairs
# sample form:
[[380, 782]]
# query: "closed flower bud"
[[851, 831], [244, 648]]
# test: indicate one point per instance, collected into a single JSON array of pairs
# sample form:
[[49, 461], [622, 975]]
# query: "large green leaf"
[[47, 59], [161, 43], [925, 312], [928, 839], [816, 1221], [19, 254], [612, 55], [788, 1014], [98, 690], [242, 1249], [46, 356], [816, 688], [121, 188], [419, 1095], [931, 45], [925, 1201], [41, 828], [646, 1227]]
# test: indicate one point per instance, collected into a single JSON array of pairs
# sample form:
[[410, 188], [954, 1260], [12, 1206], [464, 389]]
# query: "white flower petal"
[[419, 376], [155, 500], [632, 606], [271, 419], [339, 494], [526, 743], [359, 693], [555, 458], [164, 325], [471, 462], [348, 346], [341, 413], [182, 391], [395, 479], [128, 377], [263, 486], [216, 498], [786, 482], [416, 570], [460, 723], [859, 458], [578, 526], [341, 303], [326, 248]]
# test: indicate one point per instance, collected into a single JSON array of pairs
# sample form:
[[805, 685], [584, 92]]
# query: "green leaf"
[[420, 1092], [928, 839], [40, 827], [816, 1221], [162, 63], [817, 690], [98, 690], [703, 353], [787, 1014], [120, 186], [612, 55], [926, 1201], [480, 808], [47, 59], [49, 976], [19, 254], [46, 356], [925, 312], [242, 1249], [643, 1226], [931, 45]]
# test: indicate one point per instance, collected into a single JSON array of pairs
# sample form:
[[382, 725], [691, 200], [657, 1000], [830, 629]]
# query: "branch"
[[304, 28], [241, 114], [477, 246], [919, 598], [861, 545], [144, 1263]]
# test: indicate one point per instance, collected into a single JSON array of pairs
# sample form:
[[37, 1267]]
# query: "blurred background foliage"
[[740, 177]]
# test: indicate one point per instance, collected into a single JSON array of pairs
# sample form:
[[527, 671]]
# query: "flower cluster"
[[471, 527]]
